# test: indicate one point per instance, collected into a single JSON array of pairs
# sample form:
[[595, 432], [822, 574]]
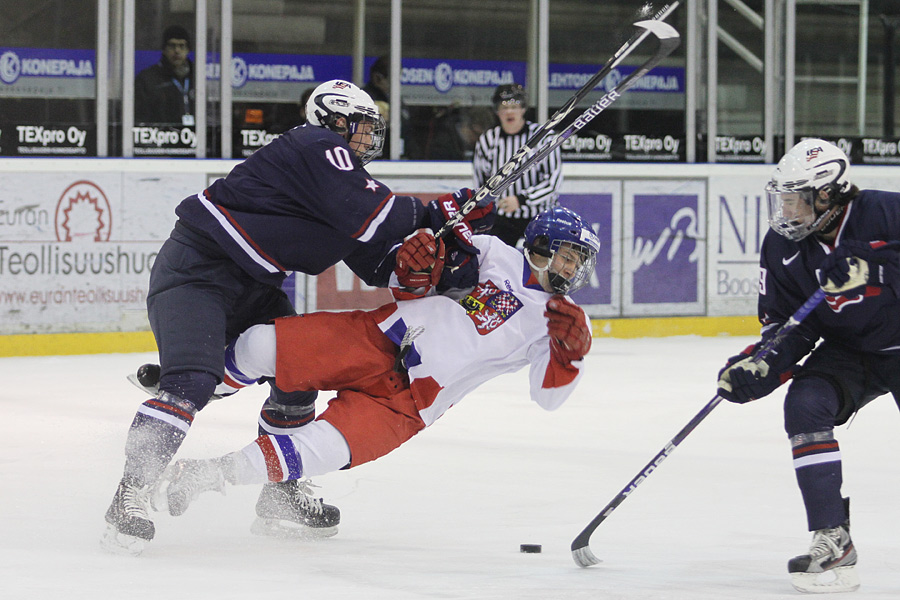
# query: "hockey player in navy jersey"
[[824, 232], [302, 203], [392, 371]]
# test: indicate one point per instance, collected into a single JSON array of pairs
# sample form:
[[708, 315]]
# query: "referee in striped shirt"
[[538, 188]]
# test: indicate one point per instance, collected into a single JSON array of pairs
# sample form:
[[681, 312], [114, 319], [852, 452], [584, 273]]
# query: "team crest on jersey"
[[489, 307]]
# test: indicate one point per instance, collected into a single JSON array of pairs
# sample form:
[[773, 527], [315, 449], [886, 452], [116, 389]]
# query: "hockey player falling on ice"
[[393, 372], [302, 203], [825, 232]]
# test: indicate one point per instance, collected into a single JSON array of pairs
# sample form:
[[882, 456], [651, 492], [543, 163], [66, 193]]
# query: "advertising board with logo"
[[664, 248], [599, 204], [76, 249]]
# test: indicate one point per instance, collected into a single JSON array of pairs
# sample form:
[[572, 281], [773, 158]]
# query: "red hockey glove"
[[478, 221], [570, 336], [420, 260]]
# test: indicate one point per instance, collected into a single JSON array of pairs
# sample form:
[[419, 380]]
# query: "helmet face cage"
[[336, 100], [812, 170], [585, 259], [562, 237], [367, 150]]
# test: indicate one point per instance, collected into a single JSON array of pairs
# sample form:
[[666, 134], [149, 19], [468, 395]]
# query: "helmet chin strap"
[[545, 270], [829, 220], [554, 281]]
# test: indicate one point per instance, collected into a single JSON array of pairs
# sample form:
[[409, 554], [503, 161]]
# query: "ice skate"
[[289, 510], [184, 481], [129, 527], [146, 378], [830, 565]]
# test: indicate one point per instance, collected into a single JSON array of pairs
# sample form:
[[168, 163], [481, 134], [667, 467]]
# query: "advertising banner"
[[76, 247], [265, 77], [57, 139], [664, 248], [738, 222], [46, 73], [600, 205]]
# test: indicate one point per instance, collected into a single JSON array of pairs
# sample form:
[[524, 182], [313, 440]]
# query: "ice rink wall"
[[679, 245]]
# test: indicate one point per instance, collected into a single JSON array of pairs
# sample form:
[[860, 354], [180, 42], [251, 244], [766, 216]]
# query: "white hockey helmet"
[[337, 99], [808, 190]]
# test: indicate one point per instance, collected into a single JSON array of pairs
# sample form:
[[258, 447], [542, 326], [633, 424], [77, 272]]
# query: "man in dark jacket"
[[164, 92]]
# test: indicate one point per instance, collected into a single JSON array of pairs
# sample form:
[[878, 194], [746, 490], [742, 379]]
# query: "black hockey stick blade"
[[581, 550], [541, 143]]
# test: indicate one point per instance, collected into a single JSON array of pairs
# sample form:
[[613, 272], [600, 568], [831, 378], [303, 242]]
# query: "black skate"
[[184, 481], [128, 524], [147, 378], [288, 510], [830, 565]]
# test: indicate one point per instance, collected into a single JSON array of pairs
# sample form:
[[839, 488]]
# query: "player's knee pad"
[[290, 402], [811, 404], [195, 387], [285, 412]]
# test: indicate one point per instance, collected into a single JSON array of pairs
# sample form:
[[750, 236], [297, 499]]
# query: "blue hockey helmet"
[[567, 245]]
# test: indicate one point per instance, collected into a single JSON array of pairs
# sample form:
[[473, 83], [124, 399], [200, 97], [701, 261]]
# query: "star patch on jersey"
[[489, 307], [371, 184]]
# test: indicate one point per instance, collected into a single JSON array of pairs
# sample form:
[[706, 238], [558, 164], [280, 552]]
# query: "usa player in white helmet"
[[825, 233], [392, 370], [809, 189], [302, 203], [350, 112]]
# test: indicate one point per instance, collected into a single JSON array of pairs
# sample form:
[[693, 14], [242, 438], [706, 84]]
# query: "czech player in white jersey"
[[398, 368]]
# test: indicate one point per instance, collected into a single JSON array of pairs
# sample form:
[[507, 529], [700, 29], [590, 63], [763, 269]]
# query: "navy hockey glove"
[[570, 336], [743, 380], [420, 260], [460, 269], [856, 264], [478, 221]]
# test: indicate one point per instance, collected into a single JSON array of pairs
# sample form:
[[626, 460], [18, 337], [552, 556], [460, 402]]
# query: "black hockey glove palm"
[[742, 379], [460, 268], [856, 264]]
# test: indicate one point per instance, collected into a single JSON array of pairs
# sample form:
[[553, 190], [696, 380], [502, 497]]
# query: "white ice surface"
[[443, 516]]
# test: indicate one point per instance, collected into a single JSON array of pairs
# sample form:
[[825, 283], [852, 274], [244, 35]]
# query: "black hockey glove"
[[742, 379], [856, 264], [460, 268]]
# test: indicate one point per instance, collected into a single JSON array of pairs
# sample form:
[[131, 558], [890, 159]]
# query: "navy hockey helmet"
[[348, 111], [508, 94], [568, 246], [809, 189]]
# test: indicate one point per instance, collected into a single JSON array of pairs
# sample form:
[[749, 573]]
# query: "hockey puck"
[[530, 548]]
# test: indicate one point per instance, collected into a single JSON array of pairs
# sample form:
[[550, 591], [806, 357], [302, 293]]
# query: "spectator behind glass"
[[379, 89], [164, 92], [301, 108]]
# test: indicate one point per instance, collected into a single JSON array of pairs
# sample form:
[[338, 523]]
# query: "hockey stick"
[[526, 156], [581, 550]]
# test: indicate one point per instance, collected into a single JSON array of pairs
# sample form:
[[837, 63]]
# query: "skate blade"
[[284, 529], [152, 390], [839, 579], [120, 543]]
